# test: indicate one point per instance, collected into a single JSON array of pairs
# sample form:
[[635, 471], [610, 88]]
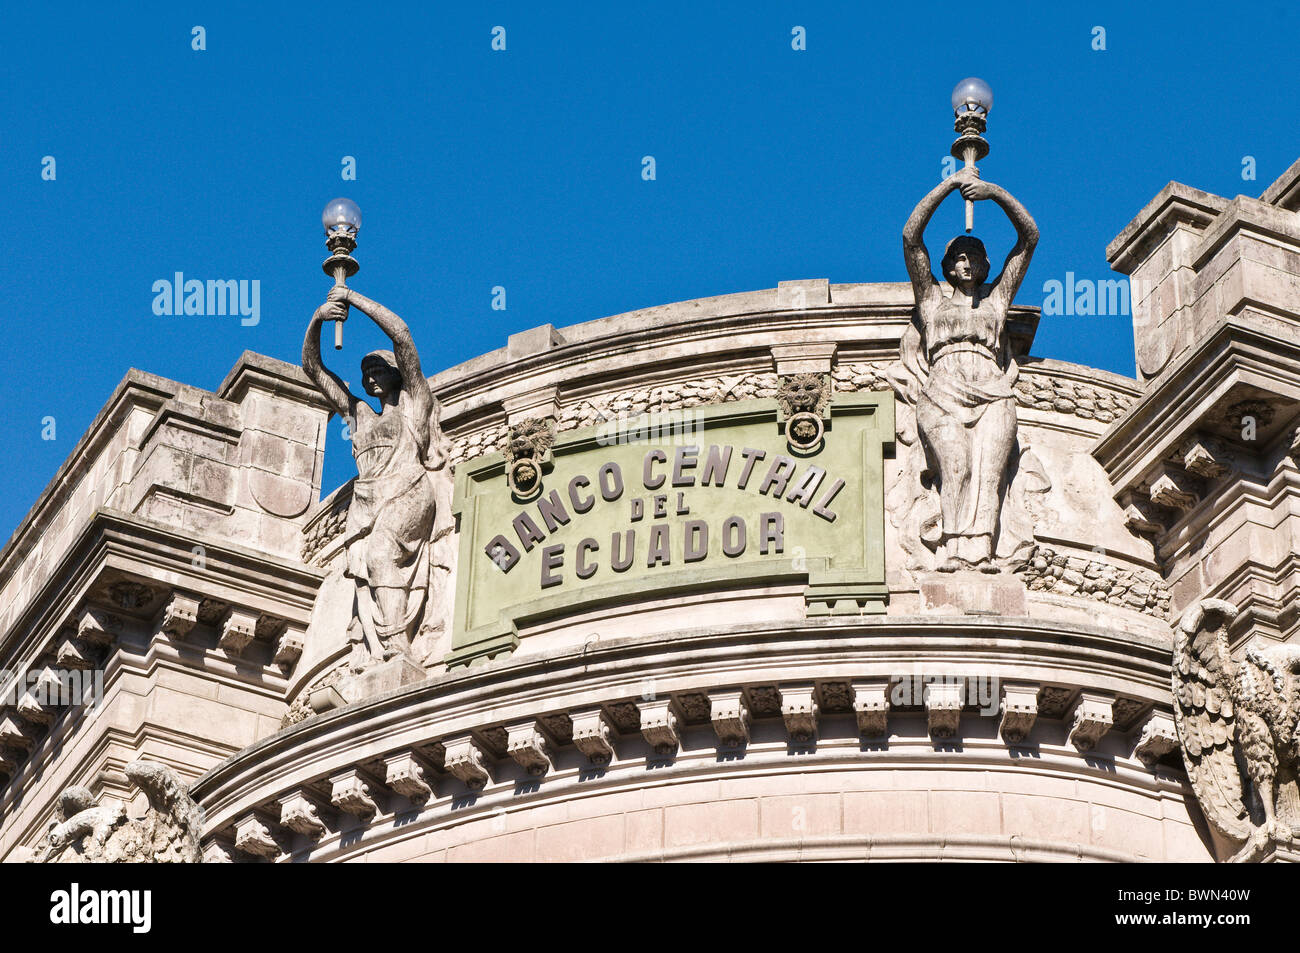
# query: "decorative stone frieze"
[[131, 594], [591, 735], [528, 745], [1158, 737], [1125, 711], [407, 773], [860, 376], [1046, 570], [238, 628], [764, 700], [464, 759], [799, 711], [943, 705], [353, 792], [835, 697], [625, 717], [301, 812], [695, 707], [1258, 412], [1019, 711], [1090, 719], [729, 713], [871, 705], [1053, 701], [659, 719], [1038, 390], [1065, 396]]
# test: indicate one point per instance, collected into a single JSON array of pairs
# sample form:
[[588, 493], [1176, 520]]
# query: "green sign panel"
[[719, 500]]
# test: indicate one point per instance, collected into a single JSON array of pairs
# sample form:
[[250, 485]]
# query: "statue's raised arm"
[[1017, 262], [336, 392], [414, 386], [915, 254]]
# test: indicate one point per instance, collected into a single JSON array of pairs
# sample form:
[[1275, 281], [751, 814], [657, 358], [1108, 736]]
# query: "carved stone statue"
[[392, 525], [87, 833], [956, 372], [1237, 727]]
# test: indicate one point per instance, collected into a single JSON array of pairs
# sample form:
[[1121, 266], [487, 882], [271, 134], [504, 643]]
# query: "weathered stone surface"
[[1019, 711], [1046, 570], [398, 513], [871, 705], [168, 833]]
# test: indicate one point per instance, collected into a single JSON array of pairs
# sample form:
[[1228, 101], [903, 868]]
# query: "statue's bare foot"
[[951, 564], [988, 566]]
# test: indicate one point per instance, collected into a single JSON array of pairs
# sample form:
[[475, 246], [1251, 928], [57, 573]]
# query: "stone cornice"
[[736, 331], [137, 389], [1174, 205], [521, 688], [134, 546], [165, 400], [257, 371], [1234, 354], [1244, 214], [1285, 189], [916, 848]]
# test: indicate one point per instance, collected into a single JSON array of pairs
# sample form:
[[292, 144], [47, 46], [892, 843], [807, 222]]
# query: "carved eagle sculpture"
[[85, 832], [1234, 719]]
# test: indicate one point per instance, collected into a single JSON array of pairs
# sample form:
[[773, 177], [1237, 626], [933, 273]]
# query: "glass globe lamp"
[[972, 95]]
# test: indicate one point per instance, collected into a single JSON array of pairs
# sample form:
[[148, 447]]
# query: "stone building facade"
[[824, 692]]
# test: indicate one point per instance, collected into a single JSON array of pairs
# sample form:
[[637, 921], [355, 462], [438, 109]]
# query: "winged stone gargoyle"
[[1236, 724]]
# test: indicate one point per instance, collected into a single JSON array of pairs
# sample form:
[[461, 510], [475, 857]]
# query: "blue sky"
[[478, 168]]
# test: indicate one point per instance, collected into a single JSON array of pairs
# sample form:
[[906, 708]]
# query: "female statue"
[[391, 517], [965, 407]]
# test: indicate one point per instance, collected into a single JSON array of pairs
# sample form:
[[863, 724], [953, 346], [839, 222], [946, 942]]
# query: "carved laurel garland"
[[323, 529], [1064, 396], [1049, 571], [1039, 391]]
